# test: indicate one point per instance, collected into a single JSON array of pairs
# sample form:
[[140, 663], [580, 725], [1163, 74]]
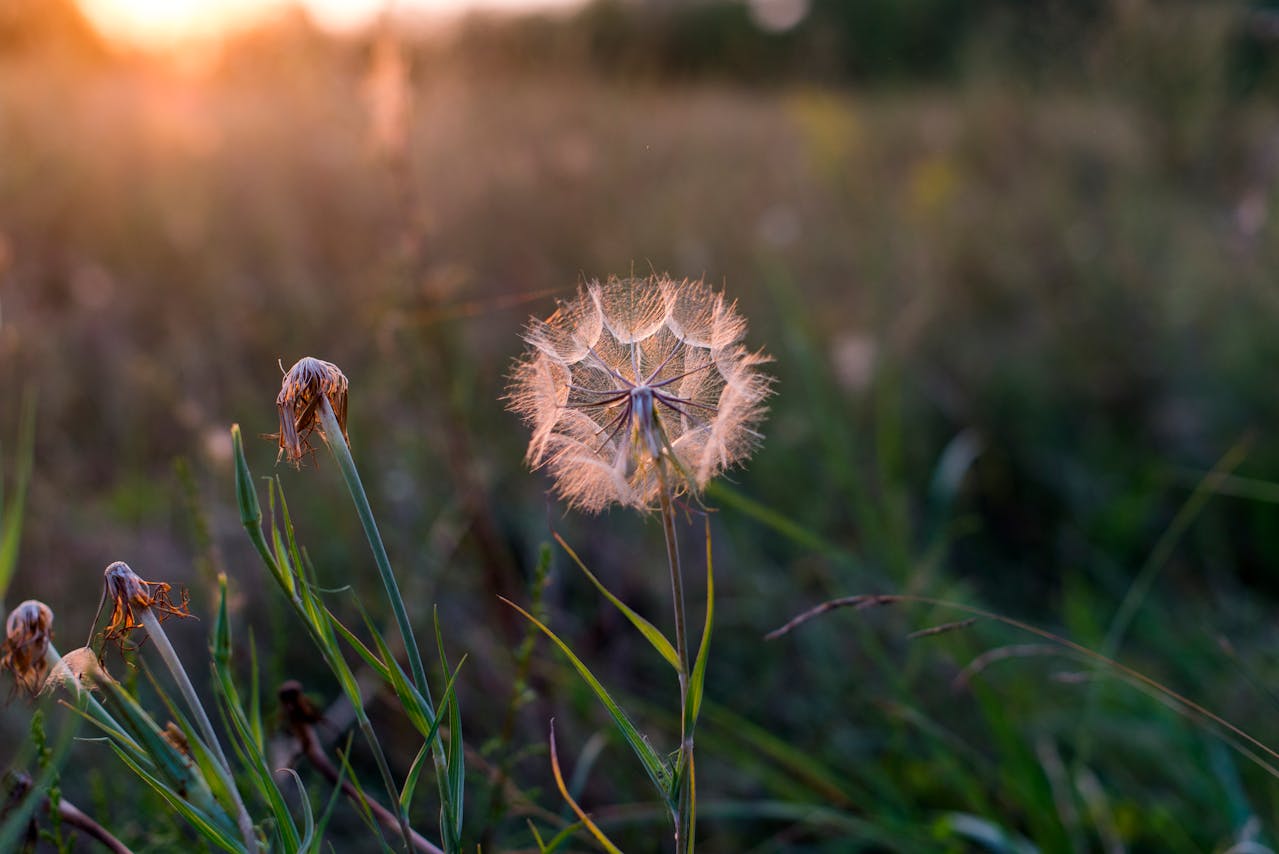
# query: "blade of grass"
[[651, 633], [657, 771], [11, 518], [581, 814]]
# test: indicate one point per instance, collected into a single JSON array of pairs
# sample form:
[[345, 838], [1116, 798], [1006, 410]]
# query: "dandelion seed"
[[130, 596], [28, 632], [630, 375], [305, 384]]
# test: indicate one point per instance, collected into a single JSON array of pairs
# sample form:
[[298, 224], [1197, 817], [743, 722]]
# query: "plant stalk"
[[157, 635], [333, 437], [684, 764]]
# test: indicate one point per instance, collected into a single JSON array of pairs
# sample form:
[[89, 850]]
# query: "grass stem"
[[684, 764], [333, 437], [171, 660]]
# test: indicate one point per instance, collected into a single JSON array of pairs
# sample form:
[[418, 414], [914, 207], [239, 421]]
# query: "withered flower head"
[[632, 374], [78, 669], [130, 596], [27, 634], [305, 385]]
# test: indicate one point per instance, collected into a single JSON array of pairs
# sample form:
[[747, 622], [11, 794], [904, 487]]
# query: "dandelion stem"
[[156, 633], [684, 764], [333, 437]]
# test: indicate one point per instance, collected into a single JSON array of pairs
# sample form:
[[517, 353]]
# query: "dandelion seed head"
[[28, 631], [634, 373], [309, 381]]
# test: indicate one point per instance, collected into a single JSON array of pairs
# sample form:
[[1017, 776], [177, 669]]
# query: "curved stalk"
[[346, 463], [156, 633]]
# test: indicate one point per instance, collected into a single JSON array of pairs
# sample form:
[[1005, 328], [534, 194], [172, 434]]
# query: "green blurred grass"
[[1067, 284]]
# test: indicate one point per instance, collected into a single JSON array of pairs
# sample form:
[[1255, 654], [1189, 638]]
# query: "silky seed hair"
[[28, 631], [632, 374], [303, 387]]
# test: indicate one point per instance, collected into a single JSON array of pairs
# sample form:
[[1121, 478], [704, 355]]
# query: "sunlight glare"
[[170, 23]]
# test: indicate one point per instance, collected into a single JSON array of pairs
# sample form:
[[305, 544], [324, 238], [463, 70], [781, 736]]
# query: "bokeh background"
[[1016, 264]]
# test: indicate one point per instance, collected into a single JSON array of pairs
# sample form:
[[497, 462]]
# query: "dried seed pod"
[[305, 384], [130, 595], [28, 631]]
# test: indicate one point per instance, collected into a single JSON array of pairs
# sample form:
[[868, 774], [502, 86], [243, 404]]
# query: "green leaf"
[[247, 747], [650, 632], [415, 771], [456, 752], [11, 518], [206, 827], [698, 679], [657, 771]]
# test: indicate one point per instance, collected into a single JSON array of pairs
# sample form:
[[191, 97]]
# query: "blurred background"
[[1016, 264]]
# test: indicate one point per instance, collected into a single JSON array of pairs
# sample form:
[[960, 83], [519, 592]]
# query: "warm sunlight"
[[165, 24]]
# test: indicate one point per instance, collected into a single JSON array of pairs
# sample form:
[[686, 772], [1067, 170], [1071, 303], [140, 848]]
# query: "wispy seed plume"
[[632, 374]]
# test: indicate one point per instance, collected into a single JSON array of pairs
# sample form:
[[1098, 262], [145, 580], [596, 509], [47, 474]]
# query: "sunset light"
[[168, 24], [161, 23]]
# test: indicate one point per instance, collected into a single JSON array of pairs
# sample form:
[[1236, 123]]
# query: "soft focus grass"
[[1016, 322]]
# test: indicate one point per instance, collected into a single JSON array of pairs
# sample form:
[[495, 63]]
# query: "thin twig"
[[300, 716]]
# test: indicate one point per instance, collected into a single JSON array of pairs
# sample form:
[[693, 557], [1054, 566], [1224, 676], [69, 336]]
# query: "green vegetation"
[[1018, 281]]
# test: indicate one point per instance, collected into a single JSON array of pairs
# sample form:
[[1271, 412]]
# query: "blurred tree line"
[[857, 42], [828, 42]]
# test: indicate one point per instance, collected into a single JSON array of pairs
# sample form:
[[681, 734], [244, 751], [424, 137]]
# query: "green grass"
[[1023, 330]]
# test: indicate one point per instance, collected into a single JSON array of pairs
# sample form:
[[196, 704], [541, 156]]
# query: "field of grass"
[[1023, 334]]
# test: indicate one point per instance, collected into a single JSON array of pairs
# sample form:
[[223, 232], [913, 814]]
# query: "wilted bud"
[[27, 634], [130, 596], [305, 385], [78, 669]]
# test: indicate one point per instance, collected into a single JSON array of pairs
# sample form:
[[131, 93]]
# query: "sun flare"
[[157, 24]]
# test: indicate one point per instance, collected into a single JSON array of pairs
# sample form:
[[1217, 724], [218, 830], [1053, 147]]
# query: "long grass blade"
[[657, 771], [603, 840]]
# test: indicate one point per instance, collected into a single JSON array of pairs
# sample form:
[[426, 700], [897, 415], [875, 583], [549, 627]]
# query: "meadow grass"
[[1022, 331]]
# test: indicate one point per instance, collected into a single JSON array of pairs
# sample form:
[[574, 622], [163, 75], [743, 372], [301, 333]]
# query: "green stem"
[[684, 764], [251, 516], [333, 437], [161, 641]]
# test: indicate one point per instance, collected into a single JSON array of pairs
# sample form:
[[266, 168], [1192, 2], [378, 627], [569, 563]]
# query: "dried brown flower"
[[630, 375], [79, 668], [27, 634], [130, 596], [305, 385]]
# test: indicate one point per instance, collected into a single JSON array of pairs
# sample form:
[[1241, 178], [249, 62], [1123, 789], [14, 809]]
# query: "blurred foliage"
[[1016, 264]]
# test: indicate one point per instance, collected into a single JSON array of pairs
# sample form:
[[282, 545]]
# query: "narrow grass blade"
[[581, 814], [650, 632], [657, 771], [456, 752], [698, 679], [11, 517], [246, 746], [308, 819], [410, 779], [198, 819]]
